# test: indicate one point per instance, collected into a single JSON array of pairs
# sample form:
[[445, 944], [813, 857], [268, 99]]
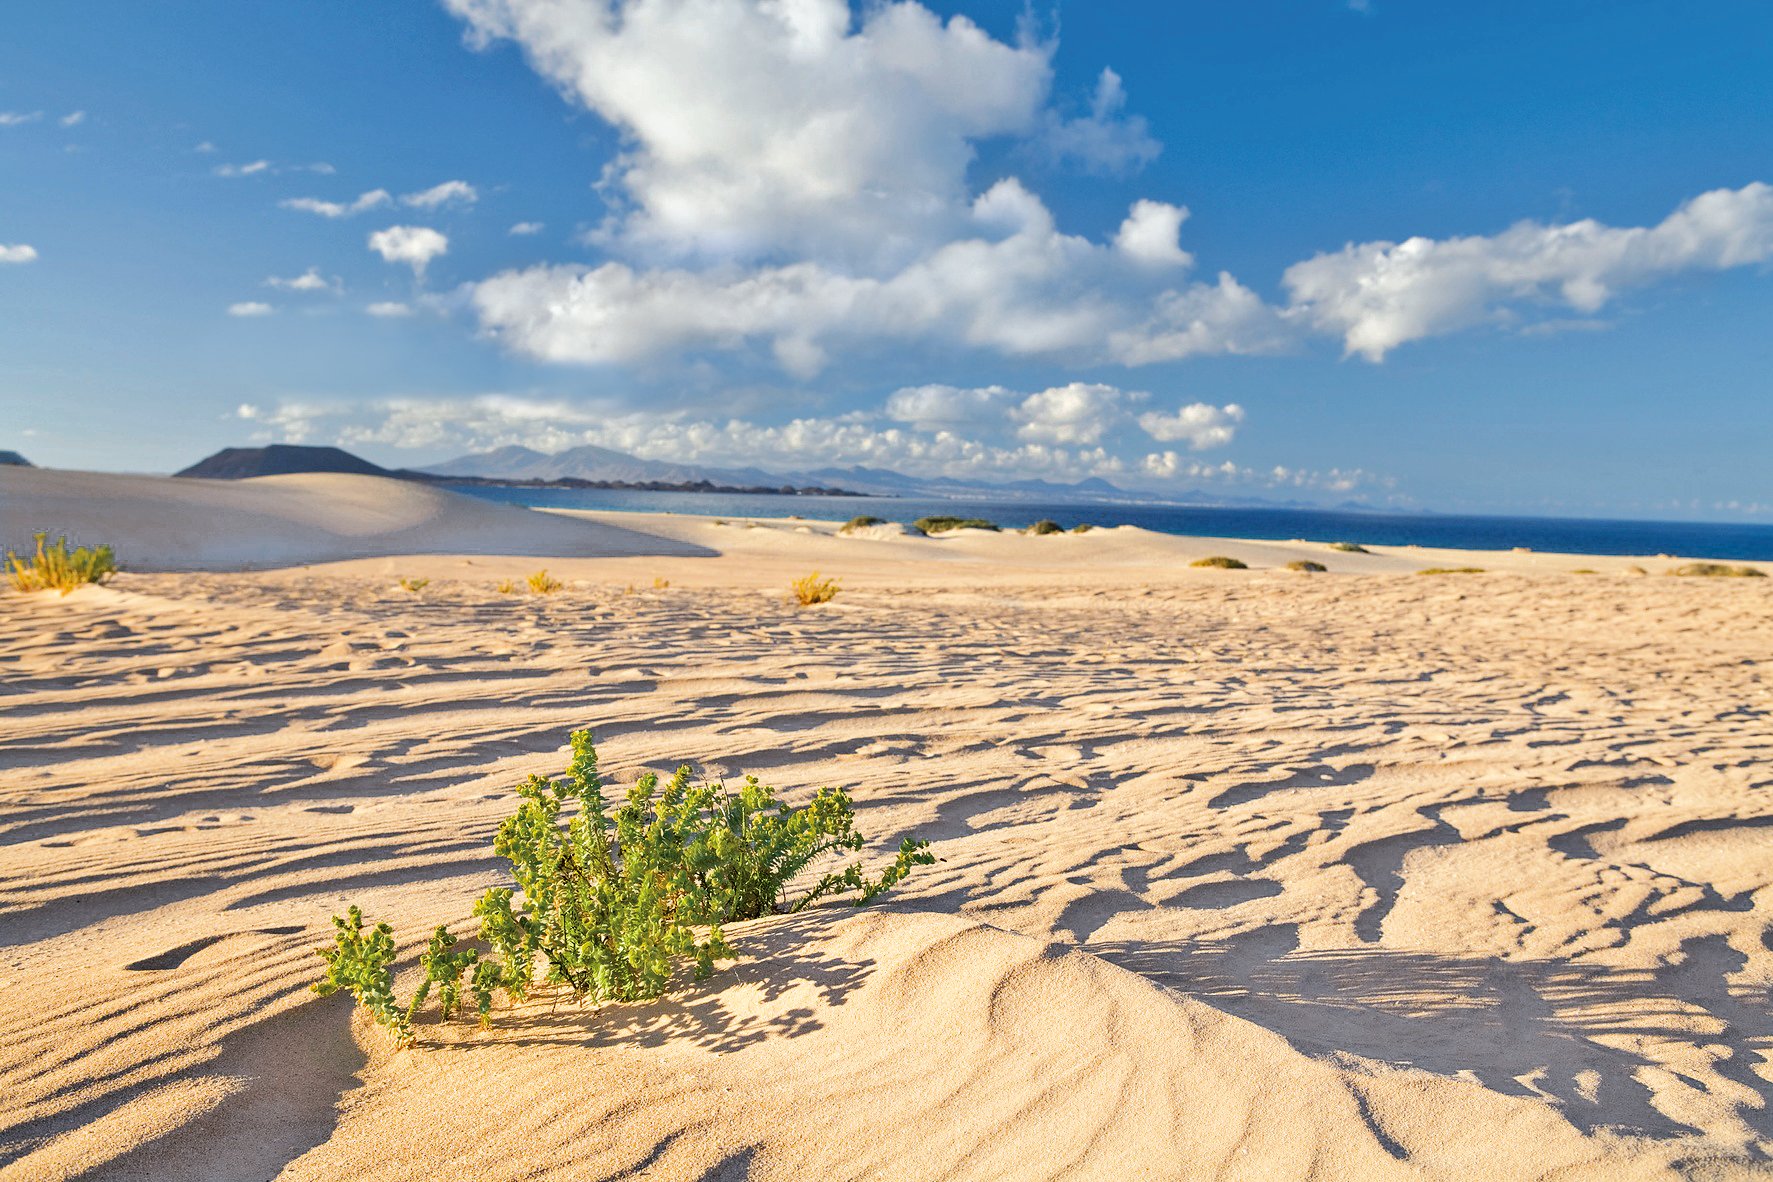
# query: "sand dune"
[[1244, 874], [167, 524]]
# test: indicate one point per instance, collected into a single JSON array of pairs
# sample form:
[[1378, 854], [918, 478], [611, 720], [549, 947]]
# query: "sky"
[[1510, 257]]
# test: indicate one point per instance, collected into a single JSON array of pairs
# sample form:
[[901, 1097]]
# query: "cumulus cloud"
[[309, 280], [413, 245], [1104, 141], [449, 192], [374, 199], [250, 308], [253, 168], [1074, 413], [1200, 424], [759, 129], [18, 118], [17, 253], [1152, 233], [523, 229], [389, 309], [1379, 295]]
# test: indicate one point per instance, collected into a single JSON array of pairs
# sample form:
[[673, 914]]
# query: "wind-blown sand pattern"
[[1244, 874]]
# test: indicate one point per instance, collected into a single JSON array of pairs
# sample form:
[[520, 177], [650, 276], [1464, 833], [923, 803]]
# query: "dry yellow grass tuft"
[[811, 589], [59, 568], [542, 583]]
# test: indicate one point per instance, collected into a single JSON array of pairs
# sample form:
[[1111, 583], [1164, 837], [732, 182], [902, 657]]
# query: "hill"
[[12, 459], [279, 459]]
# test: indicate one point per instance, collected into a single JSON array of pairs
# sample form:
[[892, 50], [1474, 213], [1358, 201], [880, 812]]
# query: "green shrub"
[[1718, 570], [1307, 566], [1451, 570], [811, 589], [414, 585], [608, 904], [1082, 528], [939, 525], [59, 568], [1220, 562], [862, 522], [1044, 527], [1350, 547]]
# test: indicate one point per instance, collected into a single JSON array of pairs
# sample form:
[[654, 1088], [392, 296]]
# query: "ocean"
[[1569, 535]]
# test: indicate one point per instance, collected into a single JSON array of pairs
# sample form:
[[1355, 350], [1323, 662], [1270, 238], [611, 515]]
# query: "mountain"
[[595, 464], [14, 460], [279, 459]]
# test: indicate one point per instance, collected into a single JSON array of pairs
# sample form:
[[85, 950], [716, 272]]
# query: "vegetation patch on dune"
[[1307, 566], [942, 525], [414, 586], [1350, 547], [1718, 570], [60, 567], [1221, 562], [809, 590], [1044, 526], [1451, 570], [861, 522], [543, 583], [608, 903], [1083, 527]]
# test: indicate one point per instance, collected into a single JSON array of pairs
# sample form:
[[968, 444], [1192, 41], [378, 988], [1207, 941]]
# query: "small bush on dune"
[[414, 585], [811, 589], [506, 586], [58, 567], [1583, 570], [1718, 570], [543, 583], [1307, 566], [1350, 547], [1082, 528], [1044, 527], [607, 904], [862, 522], [942, 525], [1451, 570], [661, 584], [1220, 562]]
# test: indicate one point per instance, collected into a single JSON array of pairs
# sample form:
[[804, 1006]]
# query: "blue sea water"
[[1568, 535]]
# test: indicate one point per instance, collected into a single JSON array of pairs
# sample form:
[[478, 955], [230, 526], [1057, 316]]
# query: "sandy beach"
[[1243, 874]]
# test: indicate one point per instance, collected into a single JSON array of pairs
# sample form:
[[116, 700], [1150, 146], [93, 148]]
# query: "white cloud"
[[438, 195], [389, 309], [250, 308], [1200, 424], [17, 253], [414, 245], [235, 170], [205, 148], [1379, 295], [288, 422], [309, 280], [18, 118], [522, 229], [1152, 234], [374, 199], [72, 119], [1075, 413], [790, 127], [938, 407], [1104, 141]]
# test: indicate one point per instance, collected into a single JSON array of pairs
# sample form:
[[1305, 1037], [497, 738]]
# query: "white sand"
[[1245, 874]]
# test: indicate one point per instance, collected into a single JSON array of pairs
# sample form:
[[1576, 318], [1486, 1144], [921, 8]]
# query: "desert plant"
[[1220, 562], [58, 567], [861, 522], [1718, 570], [607, 905], [1043, 527], [1583, 570], [414, 585], [542, 583], [1350, 547], [1307, 566], [1451, 570], [811, 589], [506, 586], [939, 525], [1082, 528], [661, 584]]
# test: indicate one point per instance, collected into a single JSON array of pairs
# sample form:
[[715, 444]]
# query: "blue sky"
[[1511, 256]]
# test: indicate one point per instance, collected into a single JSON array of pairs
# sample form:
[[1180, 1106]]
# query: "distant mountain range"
[[601, 467]]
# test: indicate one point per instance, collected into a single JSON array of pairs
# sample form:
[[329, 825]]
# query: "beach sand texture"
[[1245, 874]]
